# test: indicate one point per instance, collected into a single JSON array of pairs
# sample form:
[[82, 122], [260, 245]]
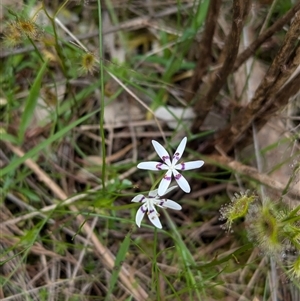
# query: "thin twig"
[[266, 95], [28, 207], [249, 51], [252, 173], [219, 77], [205, 46], [273, 106], [132, 24], [116, 79], [105, 255]]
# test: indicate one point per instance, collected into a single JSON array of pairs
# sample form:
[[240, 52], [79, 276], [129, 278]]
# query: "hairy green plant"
[[270, 225]]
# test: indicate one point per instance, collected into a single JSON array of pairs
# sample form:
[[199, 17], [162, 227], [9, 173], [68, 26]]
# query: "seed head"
[[88, 63], [12, 35], [28, 28]]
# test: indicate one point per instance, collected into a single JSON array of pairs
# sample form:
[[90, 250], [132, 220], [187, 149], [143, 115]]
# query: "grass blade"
[[31, 102], [118, 263], [14, 164]]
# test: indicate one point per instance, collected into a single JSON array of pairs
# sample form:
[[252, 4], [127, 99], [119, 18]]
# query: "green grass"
[[67, 179]]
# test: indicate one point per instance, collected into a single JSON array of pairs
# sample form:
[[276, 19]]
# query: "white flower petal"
[[181, 181], [153, 193], [138, 198], [164, 183], [152, 165], [166, 203], [171, 188], [179, 151], [189, 165], [161, 151], [154, 218], [140, 214]]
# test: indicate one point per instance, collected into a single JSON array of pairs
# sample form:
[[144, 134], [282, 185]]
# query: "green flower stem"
[[102, 102]]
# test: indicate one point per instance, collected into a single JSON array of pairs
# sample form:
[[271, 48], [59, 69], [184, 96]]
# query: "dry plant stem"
[[280, 100], [253, 173], [282, 57], [23, 205], [254, 279], [68, 201], [247, 268], [8, 237], [19, 277], [269, 110], [55, 284], [115, 78], [289, 70], [245, 55], [132, 24], [81, 257], [219, 77], [265, 95], [140, 102], [105, 255], [224, 51], [205, 46]]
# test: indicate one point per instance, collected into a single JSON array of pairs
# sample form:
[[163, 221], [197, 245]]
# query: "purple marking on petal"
[[167, 178], [164, 158], [141, 200], [177, 177], [158, 166], [161, 203], [143, 210], [182, 166], [176, 156], [151, 211], [155, 216]]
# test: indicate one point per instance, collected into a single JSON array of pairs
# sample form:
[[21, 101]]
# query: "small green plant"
[[270, 225], [237, 209]]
